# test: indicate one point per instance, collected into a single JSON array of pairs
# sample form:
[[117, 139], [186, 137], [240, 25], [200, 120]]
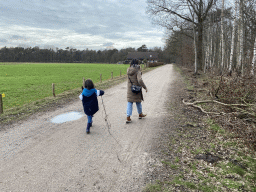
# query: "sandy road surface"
[[38, 155]]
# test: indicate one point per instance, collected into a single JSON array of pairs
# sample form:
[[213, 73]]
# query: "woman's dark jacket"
[[90, 101]]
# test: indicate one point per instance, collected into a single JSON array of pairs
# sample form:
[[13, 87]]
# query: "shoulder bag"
[[135, 88]]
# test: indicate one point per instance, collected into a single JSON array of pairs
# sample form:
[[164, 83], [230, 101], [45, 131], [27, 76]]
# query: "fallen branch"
[[245, 112], [214, 101], [194, 105], [201, 90]]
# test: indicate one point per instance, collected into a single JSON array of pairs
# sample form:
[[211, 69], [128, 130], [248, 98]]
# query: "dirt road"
[[38, 155]]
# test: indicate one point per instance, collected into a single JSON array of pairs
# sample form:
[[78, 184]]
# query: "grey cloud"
[[3, 40], [62, 14], [35, 14], [95, 30], [108, 44], [108, 19], [17, 37]]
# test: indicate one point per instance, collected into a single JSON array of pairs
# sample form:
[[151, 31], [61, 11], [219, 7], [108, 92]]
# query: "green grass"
[[179, 180], [173, 166], [226, 174], [24, 83], [154, 187], [215, 127]]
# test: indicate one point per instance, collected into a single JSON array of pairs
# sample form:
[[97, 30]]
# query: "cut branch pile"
[[230, 101], [235, 106]]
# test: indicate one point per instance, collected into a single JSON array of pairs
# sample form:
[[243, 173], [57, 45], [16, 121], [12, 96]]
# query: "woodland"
[[214, 43]]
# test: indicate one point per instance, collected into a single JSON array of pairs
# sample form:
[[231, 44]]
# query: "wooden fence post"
[[83, 82], [100, 77], [1, 104], [53, 90], [111, 75]]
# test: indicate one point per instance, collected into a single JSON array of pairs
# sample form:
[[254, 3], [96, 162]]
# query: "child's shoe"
[[142, 115], [88, 128], [128, 120]]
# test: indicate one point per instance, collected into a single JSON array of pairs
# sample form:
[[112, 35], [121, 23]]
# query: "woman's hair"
[[134, 62], [88, 84]]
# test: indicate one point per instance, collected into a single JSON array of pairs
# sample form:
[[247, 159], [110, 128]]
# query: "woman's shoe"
[[128, 120], [142, 115]]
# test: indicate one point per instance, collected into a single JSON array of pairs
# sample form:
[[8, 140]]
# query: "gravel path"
[[38, 155]]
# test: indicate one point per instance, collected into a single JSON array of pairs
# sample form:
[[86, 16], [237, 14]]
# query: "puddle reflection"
[[71, 116]]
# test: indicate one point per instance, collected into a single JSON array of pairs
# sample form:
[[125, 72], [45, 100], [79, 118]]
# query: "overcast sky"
[[80, 24]]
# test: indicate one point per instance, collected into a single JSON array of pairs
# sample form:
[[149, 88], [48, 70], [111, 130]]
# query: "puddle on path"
[[71, 116]]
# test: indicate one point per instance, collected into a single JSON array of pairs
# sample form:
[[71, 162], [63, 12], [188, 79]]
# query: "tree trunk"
[[200, 47], [222, 37], [210, 52], [208, 45], [241, 39], [196, 63], [213, 48], [219, 54], [233, 39], [200, 36], [214, 54], [253, 59]]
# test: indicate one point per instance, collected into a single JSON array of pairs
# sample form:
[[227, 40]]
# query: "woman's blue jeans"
[[129, 108], [89, 118]]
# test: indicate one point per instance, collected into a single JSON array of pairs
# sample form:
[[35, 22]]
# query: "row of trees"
[[211, 34], [69, 55]]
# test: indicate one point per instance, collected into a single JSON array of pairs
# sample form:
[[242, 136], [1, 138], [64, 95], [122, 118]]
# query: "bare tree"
[[241, 38], [208, 49], [254, 59], [250, 16], [164, 11], [233, 38], [195, 47], [222, 36]]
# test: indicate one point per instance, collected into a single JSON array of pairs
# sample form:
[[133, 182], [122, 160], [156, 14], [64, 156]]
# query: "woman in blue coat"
[[90, 101]]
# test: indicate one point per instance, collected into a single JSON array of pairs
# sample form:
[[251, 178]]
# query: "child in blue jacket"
[[90, 101]]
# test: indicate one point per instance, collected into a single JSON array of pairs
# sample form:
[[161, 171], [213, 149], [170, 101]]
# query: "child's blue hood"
[[88, 93]]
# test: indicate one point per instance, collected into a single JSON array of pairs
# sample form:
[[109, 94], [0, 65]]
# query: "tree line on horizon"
[[71, 55]]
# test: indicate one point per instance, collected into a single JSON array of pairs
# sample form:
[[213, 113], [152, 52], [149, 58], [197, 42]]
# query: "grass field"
[[27, 82]]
